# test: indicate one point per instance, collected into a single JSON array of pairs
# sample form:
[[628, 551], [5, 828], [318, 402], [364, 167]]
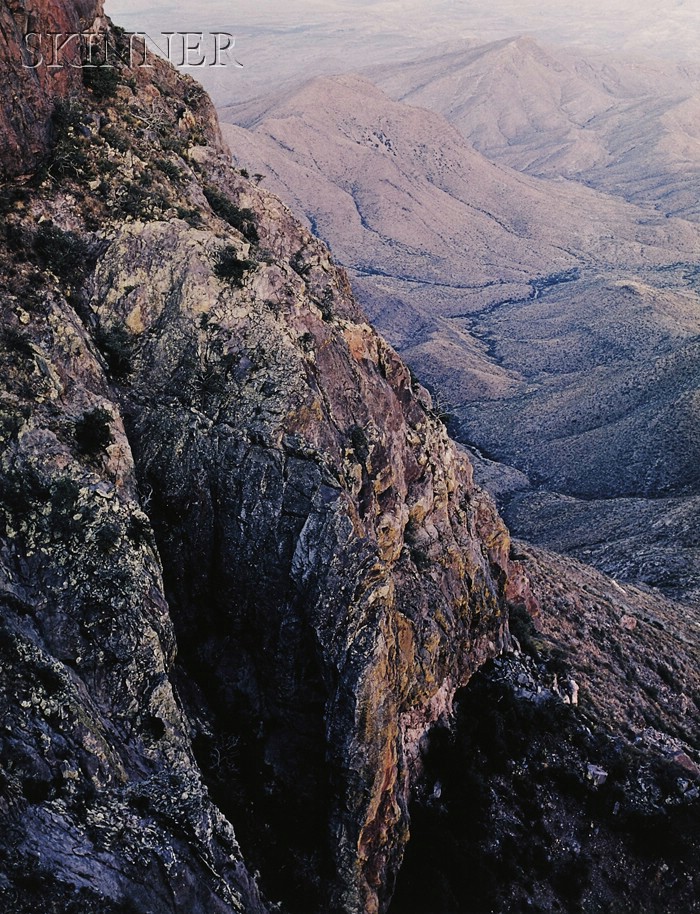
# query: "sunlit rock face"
[[40, 65], [239, 549]]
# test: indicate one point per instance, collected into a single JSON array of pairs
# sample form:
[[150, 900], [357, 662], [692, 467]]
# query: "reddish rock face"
[[331, 572], [30, 87]]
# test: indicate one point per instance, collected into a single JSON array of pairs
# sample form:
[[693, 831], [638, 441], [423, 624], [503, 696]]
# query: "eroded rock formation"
[[183, 359], [243, 569]]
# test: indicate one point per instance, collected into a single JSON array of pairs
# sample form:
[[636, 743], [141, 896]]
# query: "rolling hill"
[[556, 323], [628, 126]]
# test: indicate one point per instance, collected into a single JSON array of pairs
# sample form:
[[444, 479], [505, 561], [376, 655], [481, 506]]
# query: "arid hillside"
[[262, 635], [556, 323], [625, 126]]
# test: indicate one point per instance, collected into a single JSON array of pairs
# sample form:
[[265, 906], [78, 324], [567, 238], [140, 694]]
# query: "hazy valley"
[[530, 246]]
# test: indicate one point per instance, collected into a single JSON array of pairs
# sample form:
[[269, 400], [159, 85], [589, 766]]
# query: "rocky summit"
[[254, 611]]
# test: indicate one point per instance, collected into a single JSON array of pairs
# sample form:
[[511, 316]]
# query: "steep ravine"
[[184, 360], [243, 569]]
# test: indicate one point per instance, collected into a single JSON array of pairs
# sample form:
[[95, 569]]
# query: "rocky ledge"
[[204, 443], [243, 569]]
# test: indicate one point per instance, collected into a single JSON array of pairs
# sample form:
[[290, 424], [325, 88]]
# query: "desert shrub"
[[230, 267], [139, 530], [64, 500], [117, 138], [64, 253], [241, 219], [64, 494], [360, 444], [189, 215], [68, 157], [139, 203], [298, 265], [117, 347], [14, 341], [10, 196], [169, 169], [101, 79], [93, 433], [523, 628], [20, 490], [325, 306]]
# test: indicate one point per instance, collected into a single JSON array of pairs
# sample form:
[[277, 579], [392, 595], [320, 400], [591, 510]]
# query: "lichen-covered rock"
[[239, 552], [328, 559], [101, 800]]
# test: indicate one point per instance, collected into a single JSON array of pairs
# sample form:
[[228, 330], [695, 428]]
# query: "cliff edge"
[[205, 444], [243, 569]]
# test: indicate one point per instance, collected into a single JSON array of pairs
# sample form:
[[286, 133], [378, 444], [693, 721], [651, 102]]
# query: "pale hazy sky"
[[279, 40], [619, 22]]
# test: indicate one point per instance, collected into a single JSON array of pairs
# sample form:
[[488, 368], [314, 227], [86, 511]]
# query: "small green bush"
[[68, 157], [230, 267], [117, 347], [169, 169], [102, 80], [241, 219], [64, 253]]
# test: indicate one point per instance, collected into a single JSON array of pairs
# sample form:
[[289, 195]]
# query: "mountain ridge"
[[592, 121], [244, 571], [554, 293]]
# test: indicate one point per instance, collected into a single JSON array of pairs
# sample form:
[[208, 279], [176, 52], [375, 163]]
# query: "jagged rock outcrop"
[[569, 778], [351, 566], [40, 64], [243, 570], [188, 380]]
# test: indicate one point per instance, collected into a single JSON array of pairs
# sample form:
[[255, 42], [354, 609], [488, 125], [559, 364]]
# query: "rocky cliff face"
[[243, 570], [188, 381], [31, 90], [353, 576]]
